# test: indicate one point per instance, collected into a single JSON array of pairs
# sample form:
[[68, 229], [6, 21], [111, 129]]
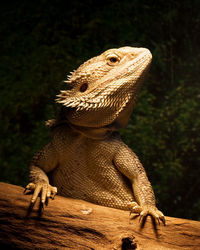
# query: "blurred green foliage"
[[42, 41]]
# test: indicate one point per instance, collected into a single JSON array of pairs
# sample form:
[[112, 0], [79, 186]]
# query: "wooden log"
[[75, 224]]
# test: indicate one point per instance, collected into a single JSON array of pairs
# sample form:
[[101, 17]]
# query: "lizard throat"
[[94, 133]]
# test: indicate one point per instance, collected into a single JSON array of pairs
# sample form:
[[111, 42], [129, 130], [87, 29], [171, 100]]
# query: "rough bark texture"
[[75, 224]]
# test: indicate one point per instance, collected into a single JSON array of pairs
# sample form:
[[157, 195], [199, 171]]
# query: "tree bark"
[[75, 224]]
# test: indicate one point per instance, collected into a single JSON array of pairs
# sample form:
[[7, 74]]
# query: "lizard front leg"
[[129, 165], [39, 184], [44, 161]]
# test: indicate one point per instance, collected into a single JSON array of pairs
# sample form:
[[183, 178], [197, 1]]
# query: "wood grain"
[[75, 224]]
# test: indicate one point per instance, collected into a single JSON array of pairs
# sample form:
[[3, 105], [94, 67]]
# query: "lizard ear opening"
[[83, 87]]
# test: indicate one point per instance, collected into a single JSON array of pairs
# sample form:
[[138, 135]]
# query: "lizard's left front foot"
[[145, 210]]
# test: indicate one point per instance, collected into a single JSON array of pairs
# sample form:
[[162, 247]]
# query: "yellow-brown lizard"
[[86, 157]]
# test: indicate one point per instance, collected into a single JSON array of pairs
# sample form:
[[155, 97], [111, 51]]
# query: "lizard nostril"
[[83, 87]]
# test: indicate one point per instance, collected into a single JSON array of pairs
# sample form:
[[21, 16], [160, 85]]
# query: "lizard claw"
[[146, 210], [29, 187], [41, 188]]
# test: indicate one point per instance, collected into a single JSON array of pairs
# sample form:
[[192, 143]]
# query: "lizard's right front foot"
[[46, 190]]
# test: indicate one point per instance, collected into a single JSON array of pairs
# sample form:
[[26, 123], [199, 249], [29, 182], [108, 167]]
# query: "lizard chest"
[[86, 171], [82, 161]]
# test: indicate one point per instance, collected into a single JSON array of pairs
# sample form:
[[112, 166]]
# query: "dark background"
[[42, 41]]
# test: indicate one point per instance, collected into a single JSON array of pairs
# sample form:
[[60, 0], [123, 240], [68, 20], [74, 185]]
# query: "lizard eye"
[[83, 87], [113, 59]]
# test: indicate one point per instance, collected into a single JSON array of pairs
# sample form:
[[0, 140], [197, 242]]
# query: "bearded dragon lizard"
[[86, 157]]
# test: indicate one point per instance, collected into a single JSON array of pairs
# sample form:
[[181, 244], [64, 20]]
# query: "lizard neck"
[[94, 133], [89, 132]]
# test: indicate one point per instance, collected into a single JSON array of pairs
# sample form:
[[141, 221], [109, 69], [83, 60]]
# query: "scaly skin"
[[86, 157]]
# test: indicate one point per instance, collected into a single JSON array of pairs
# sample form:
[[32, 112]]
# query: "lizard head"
[[104, 89]]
